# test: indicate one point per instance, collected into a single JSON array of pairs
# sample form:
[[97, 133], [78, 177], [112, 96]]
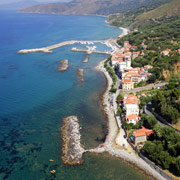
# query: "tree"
[[119, 97], [172, 114], [178, 163], [151, 121], [148, 121], [152, 78], [165, 159], [119, 111]]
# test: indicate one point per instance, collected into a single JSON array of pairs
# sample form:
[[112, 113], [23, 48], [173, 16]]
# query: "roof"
[[126, 80], [121, 61], [143, 132], [136, 52], [132, 116], [118, 53], [165, 52], [141, 71], [148, 66], [130, 101], [132, 96], [133, 74]]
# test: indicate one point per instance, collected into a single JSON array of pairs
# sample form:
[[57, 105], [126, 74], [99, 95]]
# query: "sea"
[[35, 97]]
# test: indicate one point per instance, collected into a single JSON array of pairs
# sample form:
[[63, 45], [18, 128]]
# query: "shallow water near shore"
[[34, 98]]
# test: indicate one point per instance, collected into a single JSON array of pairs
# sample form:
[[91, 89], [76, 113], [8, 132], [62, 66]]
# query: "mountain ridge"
[[86, 7]]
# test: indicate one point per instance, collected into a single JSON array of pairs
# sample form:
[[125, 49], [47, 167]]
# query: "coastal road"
[[150, 86]]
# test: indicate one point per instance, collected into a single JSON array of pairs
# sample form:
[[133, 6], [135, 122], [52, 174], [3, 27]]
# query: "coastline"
[[110, 145], [125, 31]]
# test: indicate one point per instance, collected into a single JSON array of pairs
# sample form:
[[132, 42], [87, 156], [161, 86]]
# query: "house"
[[114, 60], [141, 135], [126, 44], [134, 47], [147, 67], [135, 54], [165, 53], [127, 84], [135, 77], [131, 106], [122, 65], [132, 118]]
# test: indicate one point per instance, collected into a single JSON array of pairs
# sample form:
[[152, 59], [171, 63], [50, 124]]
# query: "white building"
[[131, 108], [122, 66], [132, 118]]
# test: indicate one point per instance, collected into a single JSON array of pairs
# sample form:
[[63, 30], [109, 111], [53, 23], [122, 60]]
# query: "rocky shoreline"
[[72, 151], [110, 146], [64, 64]]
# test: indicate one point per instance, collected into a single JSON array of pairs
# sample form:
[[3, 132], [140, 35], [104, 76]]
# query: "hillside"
[[166, 10], [144, 15], [86, 7], [154, 39]]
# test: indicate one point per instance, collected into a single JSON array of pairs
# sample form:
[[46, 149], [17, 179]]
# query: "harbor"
[[90, 49]]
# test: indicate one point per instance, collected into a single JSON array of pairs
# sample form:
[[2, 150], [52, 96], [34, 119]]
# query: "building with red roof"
[[132, 118], [141, 135], [127, 84]]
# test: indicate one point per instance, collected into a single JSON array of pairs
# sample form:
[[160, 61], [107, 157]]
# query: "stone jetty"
[[80, 74], [72, 151], [64, 64]]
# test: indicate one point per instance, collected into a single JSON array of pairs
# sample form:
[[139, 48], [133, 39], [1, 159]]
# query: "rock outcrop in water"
[[72, 151], [86, 58], [64, 64], [80, 74]]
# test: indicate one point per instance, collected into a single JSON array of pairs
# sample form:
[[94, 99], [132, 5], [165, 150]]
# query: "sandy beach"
[[125, 31]]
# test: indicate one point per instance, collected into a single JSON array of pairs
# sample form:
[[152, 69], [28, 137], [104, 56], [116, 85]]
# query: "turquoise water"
[[34, 98]]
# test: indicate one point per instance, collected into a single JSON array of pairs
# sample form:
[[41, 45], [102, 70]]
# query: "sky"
[[45, 1]]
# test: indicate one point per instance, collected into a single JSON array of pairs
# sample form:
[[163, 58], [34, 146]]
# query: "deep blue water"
[[34, 98]]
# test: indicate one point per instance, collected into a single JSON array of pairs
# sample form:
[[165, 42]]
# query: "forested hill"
[[88, 7], [141, 16]]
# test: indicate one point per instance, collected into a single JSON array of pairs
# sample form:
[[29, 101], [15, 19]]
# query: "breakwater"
[[80, 74], [90, 49], [64, 64], [48, 49], [72, 151]]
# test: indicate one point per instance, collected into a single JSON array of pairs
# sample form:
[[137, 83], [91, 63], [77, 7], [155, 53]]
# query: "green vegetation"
[[119, 97], [119, 111], [166, 102], [112, 74], [140, 84], [148, 121], [164, 148], [131, 18], [130, 126], [169, 9]]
